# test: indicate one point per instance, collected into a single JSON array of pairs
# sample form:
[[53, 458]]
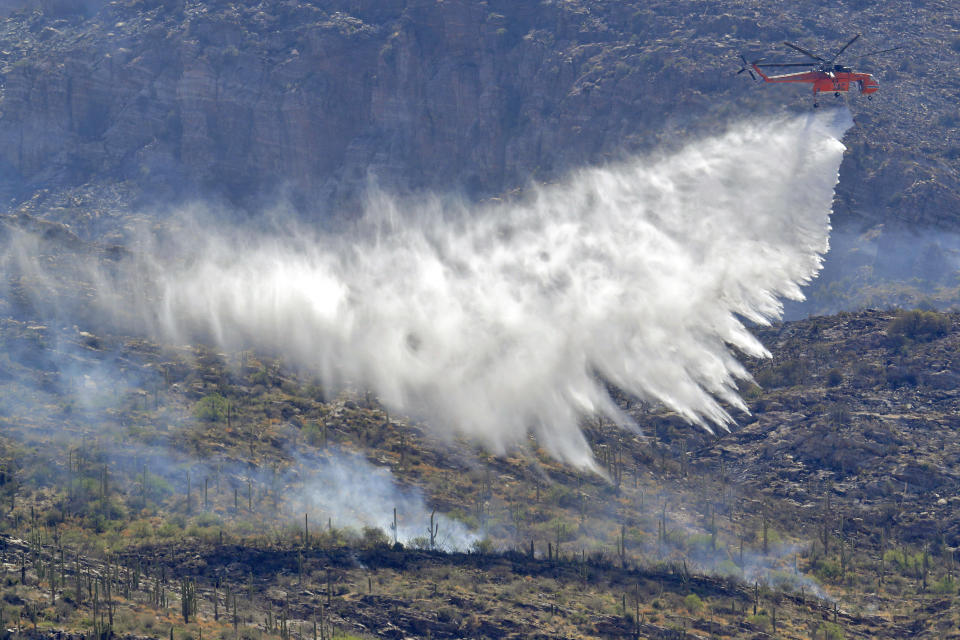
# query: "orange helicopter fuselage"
[[826, 81]]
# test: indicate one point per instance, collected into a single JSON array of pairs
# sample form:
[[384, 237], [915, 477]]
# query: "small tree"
[[211, 408], [693, 603]]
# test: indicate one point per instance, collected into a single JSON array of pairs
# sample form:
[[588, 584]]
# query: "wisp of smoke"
[[356, 494], [504, 319]]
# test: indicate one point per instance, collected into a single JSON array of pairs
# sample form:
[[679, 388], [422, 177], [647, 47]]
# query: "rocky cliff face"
[[314, 100], [422, 94]]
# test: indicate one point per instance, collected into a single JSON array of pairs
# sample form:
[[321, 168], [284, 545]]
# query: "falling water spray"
[[499, 320]]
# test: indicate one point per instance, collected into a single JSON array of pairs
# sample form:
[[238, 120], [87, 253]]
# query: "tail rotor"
[[746, 67]]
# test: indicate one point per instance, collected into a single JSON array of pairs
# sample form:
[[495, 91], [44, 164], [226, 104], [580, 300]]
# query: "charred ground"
[[154, 489], [165, 471]]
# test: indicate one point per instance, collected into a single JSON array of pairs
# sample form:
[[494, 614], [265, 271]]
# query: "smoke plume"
[[509, 318], [356, 494]]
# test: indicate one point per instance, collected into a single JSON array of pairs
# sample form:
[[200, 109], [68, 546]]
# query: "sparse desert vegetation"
[[170, 495], [182, 489]]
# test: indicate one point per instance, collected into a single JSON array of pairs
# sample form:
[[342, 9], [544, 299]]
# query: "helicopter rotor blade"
[[844, 47], [788, 64], [804, 51], [874, 53]]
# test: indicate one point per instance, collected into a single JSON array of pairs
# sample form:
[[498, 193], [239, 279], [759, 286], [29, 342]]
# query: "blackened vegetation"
[[170, 480], [149, 574]]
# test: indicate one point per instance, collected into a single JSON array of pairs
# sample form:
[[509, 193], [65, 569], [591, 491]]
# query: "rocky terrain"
[[831, 508], [847, 399], [115, 112], [157, 490], [106, 105]]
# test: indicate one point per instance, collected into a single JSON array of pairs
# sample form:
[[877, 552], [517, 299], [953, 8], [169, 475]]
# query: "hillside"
[[153, 103], [245, 95], [835, 497], [316, 317]]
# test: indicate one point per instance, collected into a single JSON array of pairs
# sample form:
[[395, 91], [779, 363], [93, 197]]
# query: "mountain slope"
[[243, 98]]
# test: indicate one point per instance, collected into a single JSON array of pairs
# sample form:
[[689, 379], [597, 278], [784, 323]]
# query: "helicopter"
[[825, 75]]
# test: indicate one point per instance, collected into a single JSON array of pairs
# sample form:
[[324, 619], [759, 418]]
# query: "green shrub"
[[208, 520], [909, 563], [140, 530], [700, 541], [753, 392], [169, 529], [374, 538], [919, 325], [449, 615], [903, 376], [787, 374], [944, 586], [827, 569], [693, 603], [482, 547], [760, 620], [207, 534], [313, 433], [211, 408], [829, 631]]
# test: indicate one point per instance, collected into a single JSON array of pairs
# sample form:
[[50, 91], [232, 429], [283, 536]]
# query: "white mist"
[[498, 320]]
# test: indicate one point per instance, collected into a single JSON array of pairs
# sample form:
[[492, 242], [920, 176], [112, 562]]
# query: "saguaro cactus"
[[432, 529], [188, 599]]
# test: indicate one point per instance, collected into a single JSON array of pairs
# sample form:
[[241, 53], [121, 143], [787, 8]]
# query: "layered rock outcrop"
[[309, 102], [248, 97]]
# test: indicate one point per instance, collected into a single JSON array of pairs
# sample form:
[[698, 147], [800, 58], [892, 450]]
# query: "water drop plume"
[[504, 319]]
